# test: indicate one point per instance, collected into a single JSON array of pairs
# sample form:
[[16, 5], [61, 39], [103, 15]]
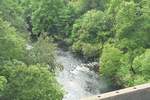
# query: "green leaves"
[[3, 82], [87, 27], [47, 17], [142, 65], [82, 6], [110, 61], [86, 32], [117, 31], [24, 75], [131, 38], [29, 83], [131, 23], [12, 45], [12, 11], [42, 52]]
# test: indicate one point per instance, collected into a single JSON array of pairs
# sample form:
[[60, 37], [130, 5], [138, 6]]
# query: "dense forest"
[[116, 33]]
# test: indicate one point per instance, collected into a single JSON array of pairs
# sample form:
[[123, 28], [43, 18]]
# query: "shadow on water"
[[79, 81]]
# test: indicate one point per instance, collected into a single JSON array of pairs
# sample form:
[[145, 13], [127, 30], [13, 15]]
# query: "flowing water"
[[77, 81]]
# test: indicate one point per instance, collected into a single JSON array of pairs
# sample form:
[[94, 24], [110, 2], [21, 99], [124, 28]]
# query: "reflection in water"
[[78, 81]]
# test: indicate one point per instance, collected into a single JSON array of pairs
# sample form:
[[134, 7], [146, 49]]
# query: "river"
[[77, 81]]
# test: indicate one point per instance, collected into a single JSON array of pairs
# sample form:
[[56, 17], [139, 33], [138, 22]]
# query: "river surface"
[[77, 81]]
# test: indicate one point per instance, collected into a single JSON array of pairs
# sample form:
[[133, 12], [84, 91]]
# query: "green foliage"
[[110, 60], [82, 6], [3, 82], [131, 37], [87, 32], [132, 23], [52, 16], [124, 75], [91, 50], [42, 52], [77, 47], [17, 80], [30, 83], [86, 49], [11, 11], [87, 27], [142, 65], [117, 31], [114, 6], [12, 45]]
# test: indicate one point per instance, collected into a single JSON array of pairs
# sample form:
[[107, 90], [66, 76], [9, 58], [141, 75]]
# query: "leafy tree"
[[12, 45], [112, 8], [124, 75], [141, 67], [132, 24], [132, 35], [88, 30], [30, 83], [42, 52], [82, 6], [11, 11], [141, 64], [110, 61], [87, 27], [48, 17]]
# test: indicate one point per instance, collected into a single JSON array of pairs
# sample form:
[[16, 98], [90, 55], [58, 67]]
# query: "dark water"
[[77, 81]]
